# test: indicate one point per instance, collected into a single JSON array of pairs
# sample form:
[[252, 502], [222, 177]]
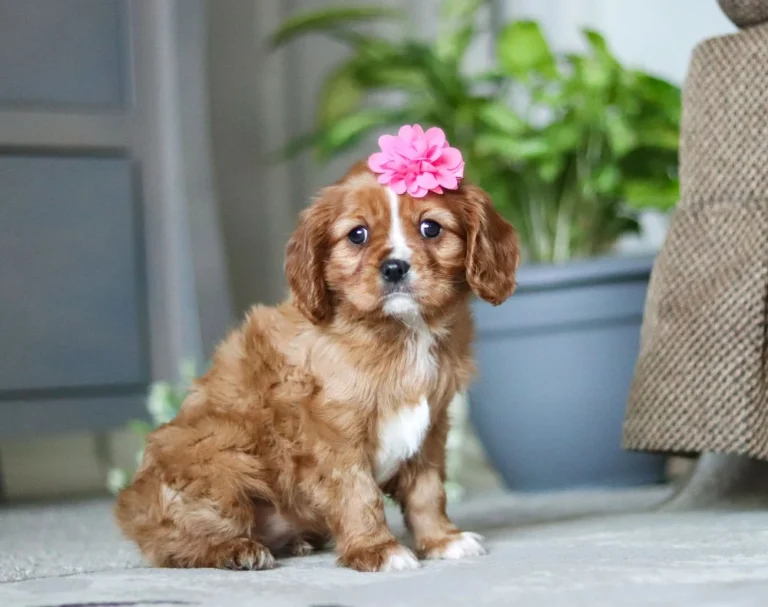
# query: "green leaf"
[[596, 41], [621, 136], [456, 28], [550, 169], [621, 225], [140, 427], [388, 65], [522, 50], [511, 149], [346, 132], [658, 91], [652, 193], [378, 50], [297, 145], [328, 19], [661, 136], [596, 75], [461, 10], [413, 65], [393, 77], [563, 136], [340, 94], [494, 75], [599, 47], [380, 64], [553, 97], [444, 79], [608, 179], [501, 117], [451, 47]]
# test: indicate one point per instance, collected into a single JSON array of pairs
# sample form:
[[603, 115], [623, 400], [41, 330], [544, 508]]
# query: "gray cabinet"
[[56, 53], [73, 311], [103, 286]]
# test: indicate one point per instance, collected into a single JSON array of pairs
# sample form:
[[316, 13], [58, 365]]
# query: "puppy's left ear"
[[493, 253]]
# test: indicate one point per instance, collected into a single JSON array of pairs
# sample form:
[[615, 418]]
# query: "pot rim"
[[598, 270]]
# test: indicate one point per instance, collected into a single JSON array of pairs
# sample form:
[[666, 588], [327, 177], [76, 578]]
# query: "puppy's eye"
[[430, 229], [358, 235]]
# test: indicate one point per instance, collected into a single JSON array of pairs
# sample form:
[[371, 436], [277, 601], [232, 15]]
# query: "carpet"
[[591, 548]]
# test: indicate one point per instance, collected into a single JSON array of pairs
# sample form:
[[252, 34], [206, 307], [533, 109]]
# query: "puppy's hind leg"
[[174, 529], [194, 506]]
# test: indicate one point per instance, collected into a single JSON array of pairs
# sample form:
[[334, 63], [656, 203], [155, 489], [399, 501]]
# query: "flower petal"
[[417, 192], [406, 133], [434, 153], [378, 161], [387, 143], [447, 180], [427, 180], [449, 158], [421, 147], [410, 152], [398, 185], [435, 137]]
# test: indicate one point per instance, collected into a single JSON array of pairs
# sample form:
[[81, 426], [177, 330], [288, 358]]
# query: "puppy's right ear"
[[305, 258]]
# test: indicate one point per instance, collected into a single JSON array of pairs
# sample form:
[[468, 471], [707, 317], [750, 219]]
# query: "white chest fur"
[[400, 438], [421, 360]]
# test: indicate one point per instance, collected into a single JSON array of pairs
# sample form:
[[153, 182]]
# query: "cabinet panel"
[[71, 282], [62, 52]]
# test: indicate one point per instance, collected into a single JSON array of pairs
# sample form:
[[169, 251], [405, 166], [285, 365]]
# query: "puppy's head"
[[361, 245]]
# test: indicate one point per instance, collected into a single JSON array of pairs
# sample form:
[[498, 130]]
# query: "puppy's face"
[[384, 254]]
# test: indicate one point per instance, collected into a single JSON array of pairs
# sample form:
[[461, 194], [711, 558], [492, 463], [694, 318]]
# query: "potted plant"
[[571, 147]]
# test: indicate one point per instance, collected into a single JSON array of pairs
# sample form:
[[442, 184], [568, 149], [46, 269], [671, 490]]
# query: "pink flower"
[[417, 162]]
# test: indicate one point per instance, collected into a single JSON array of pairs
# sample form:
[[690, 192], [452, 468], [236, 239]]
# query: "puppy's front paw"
[[241, 554], [400, 559], [458, 546], [387, 557], [297, 547]]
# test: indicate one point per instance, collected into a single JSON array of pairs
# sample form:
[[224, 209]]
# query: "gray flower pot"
[[555, 365]]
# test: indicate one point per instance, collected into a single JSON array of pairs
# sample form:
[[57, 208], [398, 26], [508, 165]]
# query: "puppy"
[[314, 410]]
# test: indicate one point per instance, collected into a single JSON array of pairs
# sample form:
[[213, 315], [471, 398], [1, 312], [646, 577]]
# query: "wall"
[[656, 35]]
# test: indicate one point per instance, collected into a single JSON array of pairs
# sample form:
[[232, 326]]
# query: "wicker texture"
[[745, 13], [700, 381]]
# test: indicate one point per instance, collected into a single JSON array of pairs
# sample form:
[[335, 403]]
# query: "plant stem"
[[562, 240]]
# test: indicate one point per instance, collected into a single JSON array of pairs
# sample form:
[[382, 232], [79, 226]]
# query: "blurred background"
[[154, 155]]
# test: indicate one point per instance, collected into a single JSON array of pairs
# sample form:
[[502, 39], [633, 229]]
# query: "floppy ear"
[[305, 258], [493, 253]]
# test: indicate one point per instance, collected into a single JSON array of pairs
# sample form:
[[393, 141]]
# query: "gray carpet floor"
[[606, 548]]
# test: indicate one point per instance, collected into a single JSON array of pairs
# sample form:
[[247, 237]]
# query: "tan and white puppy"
[[315, 409]]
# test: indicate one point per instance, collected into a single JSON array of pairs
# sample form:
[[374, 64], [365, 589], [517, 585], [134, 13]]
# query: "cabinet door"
[[62, 53], [70, 269]]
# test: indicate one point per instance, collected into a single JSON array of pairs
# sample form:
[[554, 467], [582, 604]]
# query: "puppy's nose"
[[394, 270]]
